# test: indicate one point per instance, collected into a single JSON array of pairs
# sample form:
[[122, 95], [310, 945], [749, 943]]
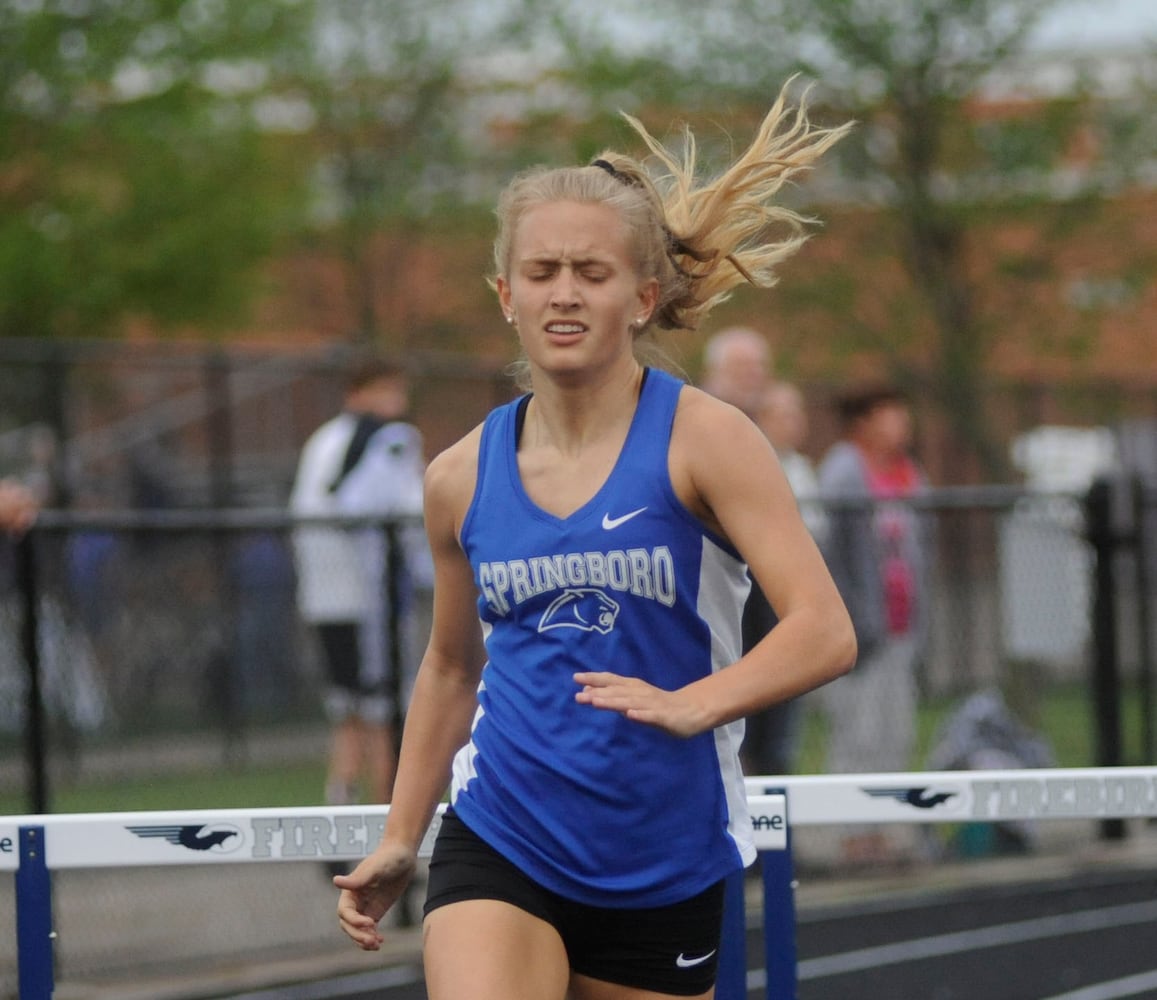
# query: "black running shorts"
[[666, 949]]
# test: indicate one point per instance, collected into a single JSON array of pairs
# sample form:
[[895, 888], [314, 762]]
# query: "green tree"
[[923, 184], [140, 170], [402, 92], [907, 69]]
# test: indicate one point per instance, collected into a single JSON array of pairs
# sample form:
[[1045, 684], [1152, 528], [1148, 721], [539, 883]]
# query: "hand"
[[370, 890], [18, 507], [673, 711]]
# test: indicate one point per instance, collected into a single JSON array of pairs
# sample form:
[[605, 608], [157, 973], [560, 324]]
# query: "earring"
[[510, 318]]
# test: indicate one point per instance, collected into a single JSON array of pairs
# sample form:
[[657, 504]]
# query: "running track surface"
[[1088, 937]]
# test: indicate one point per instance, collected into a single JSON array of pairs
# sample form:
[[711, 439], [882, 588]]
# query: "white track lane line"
[[333, 987], [1117, 989], [1083, 921]]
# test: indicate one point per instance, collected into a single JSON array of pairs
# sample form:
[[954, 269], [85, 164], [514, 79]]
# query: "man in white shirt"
[[365, 462]]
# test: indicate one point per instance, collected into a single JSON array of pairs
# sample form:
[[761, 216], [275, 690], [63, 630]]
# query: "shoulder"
[[717, 453], [336, 426], [397, 438], [696, 404], [704, 422], [450, 479], [327, 436]]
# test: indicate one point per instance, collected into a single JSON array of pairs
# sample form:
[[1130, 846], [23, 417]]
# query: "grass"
[[1065, 714], [248, 787], [1065, 718]]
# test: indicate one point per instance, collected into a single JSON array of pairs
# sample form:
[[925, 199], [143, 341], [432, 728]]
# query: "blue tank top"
[[595, 807]]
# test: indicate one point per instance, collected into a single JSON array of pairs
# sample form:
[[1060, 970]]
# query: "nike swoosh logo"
[[688, 963], [610, 523]]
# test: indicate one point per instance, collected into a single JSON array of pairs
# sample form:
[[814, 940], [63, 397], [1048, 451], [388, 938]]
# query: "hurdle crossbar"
[[33, 846]]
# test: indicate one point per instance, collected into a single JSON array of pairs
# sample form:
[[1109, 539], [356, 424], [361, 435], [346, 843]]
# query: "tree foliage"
[[153, 153], [957, 137], [137, 176], [909, 71]]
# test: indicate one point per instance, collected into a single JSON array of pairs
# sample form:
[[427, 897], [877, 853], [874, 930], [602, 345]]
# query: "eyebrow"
[[573, 261]]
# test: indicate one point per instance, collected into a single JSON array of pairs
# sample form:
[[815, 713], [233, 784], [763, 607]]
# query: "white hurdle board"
[[334, 833], [340, 833], [967, 796]]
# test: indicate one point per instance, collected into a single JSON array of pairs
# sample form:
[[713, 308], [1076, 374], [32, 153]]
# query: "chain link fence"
[[174, 634], [170, 630], [97, 425]]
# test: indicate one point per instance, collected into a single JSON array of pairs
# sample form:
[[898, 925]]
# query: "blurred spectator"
[[877, 557], [90, 560], [737, 369], [265, 668], [18, 506], [772, 741], [72, 693], [783, 418], [367, 461]]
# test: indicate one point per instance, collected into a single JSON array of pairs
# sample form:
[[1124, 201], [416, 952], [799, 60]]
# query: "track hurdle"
[[34, 846]]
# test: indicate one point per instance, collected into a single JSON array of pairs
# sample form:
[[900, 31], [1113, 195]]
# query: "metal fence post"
[[395, 658], [1106, 672], [34, 936], [1142, 511], [35, 748]]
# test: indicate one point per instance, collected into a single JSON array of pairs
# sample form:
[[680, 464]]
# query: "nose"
[[564, 290]]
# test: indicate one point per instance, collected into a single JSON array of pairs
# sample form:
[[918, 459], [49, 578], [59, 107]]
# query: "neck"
[[568, 417]]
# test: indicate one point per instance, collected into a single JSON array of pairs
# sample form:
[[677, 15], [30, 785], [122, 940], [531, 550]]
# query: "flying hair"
[[726, 223], [699, 240]]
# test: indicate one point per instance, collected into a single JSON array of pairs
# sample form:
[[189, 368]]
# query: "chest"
[[561, 484]]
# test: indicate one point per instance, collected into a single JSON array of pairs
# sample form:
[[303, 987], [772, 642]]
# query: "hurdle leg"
[[731, 980], [779, 946], [34, 936]]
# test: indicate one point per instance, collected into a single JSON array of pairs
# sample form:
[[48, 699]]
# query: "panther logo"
[[584, 608]]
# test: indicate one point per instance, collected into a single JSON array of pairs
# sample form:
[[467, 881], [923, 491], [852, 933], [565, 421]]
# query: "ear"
[[503, 288], [648, 298]]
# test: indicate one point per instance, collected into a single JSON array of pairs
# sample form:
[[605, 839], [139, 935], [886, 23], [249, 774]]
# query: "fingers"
[[599, 678], [619, 694], [638, 701], [361, 928], [369, 891], [598, 688]]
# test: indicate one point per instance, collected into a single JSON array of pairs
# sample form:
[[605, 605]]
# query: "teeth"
[[565, 328]]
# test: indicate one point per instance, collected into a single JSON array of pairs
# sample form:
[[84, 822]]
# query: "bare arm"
[[726, 473], [441, 710]]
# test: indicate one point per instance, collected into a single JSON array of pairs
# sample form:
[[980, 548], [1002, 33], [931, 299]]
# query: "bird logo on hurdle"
[[920, 797], [194, 837]]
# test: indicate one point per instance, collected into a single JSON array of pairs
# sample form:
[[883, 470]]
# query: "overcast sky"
[[1100, 23]]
